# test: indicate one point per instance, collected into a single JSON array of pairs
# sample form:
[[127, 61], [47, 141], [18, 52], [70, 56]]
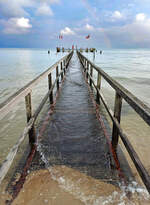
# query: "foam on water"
[[90, 191]]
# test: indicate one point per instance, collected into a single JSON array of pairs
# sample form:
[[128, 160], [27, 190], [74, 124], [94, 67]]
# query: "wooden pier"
[[73, 131]]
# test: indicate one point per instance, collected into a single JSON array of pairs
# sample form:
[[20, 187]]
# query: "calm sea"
[[131, 68]]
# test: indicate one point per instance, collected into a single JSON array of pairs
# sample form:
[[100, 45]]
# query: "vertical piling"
[[98, 86], [91, 74], [32, 135], [117, 115], [57, 76], [61, 67], [50, 85]]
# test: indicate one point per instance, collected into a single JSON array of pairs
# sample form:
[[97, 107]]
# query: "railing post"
[[61, 66], [117, 115], [91, 74], [87, 69], [57, 74], [32, 135], [84, 65], [50, 85], [64, 67], [98, 86]]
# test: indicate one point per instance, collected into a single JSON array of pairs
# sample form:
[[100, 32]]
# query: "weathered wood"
[[91, 74], [142, 109], [87, 69], [137, 105], [98, 87], [10, 157], [57, 75], [117, 115], [14, 99], [64, 67], [32, 135], [61, 67], [29, 129], [50, 86]]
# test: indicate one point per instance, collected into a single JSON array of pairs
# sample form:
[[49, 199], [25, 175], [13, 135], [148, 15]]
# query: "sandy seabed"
[[61, 185]]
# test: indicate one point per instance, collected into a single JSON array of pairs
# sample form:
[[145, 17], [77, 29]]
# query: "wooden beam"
[[117, 115], [32, 135]]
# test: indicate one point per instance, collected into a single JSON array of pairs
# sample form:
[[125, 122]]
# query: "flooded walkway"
[[73, 148], [73, 136]]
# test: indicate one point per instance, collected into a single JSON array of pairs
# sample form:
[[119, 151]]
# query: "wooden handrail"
[[26, 92], [6, 106], [121, 93]]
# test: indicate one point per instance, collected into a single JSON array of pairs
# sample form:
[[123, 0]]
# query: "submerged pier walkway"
[[73, 136]]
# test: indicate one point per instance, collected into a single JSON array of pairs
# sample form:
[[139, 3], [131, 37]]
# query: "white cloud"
[[16, 25], [18, 8], [14, 8], [140, 17], [67, 31], [89, 27], [135, 34], [44, 9], [117, 15]]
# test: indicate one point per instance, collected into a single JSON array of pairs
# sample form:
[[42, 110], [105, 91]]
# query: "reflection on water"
[[22, 65], [130, 67], [19, 66]]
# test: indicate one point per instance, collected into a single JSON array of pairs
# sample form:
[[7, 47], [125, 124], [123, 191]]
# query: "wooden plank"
[[142, 109], [14, 99], [61, 67], [30, 124], [87, 69], [136, 160], [98, 87], [64, 68], [117, 115], [57, 77], [50, 85], [10, 157], [32, 134], [91, 74]]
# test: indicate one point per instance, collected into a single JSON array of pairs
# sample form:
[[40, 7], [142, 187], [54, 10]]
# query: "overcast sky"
[[110, 23]]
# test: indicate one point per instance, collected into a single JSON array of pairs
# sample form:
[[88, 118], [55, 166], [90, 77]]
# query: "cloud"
[[16, 25], [18, 8], [135, 34], [14, 8], [67, 31], [45, 10], [140, 17], [117, 15], [89, 27], [91, 10]]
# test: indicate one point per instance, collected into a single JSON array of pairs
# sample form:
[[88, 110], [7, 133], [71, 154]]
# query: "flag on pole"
[[87, 37]]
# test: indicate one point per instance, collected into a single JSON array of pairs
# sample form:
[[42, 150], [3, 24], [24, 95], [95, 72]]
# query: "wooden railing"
[[13, 100], [121, 93]]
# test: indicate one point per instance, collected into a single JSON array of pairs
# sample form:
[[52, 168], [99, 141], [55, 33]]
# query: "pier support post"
[[50, 85], [87, 69], [117, 115], [57, 74], [64, 67], [61, 67], [98, 86], [32, 135], [91, 74]]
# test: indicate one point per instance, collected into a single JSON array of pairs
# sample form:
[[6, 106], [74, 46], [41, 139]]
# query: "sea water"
[[129, 67]]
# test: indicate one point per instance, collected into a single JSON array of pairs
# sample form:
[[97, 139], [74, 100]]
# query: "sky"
[[110, 23]]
